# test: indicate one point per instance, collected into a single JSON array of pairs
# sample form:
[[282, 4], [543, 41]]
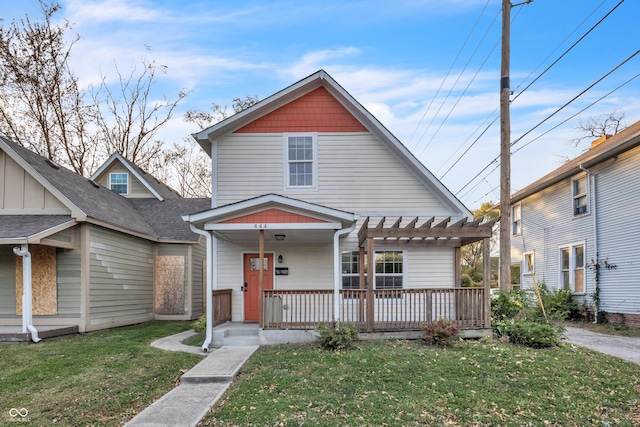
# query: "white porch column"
[[337, 284]]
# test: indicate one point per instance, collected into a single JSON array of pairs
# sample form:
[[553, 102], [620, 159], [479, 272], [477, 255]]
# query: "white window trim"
[[586, 195], [572, 266], [128, 182], [517, 206], [285, 161], [404, 266], [524, 270]]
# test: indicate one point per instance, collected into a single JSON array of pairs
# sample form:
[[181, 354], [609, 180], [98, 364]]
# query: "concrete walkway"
[[622, 347], [199, 389]]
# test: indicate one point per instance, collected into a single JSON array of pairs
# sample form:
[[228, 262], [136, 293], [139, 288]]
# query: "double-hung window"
[[572, 267], [516, 219], [388, 274], [119, 182], [579, 193], [301, 161]]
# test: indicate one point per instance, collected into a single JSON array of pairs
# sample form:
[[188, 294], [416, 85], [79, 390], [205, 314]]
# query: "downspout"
[[336, 269], [592, 178], [27, 311], [209, 286]]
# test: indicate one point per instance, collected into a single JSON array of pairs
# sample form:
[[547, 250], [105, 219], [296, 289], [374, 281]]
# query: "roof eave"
[[591, 158]]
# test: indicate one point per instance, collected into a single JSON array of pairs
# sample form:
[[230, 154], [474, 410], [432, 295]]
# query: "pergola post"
[[362, 283], [370, 279], [486, 277]]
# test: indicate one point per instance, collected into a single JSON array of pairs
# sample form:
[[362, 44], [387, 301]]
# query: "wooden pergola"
[[441, 234]]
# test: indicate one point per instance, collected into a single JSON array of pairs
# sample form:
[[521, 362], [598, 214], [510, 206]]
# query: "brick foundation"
[[629, 320]]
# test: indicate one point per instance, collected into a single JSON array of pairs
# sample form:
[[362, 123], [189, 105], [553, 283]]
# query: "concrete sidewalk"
[[622, 347], [199, 389]]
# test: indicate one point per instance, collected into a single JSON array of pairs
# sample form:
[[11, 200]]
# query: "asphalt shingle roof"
[[158, 221], [22, 226], [166, 216]]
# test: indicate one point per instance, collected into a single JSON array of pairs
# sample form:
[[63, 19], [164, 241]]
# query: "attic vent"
[[53, 164], [95, 184]]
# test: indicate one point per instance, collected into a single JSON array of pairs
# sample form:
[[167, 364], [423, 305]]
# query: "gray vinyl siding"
[[68, 276], [198, 257], [121, 279], [7, 282], [547, 224], [618, 202], [356, 173]]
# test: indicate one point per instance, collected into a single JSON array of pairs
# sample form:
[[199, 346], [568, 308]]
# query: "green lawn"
[[398, 383], [107, 377], [99, 378]]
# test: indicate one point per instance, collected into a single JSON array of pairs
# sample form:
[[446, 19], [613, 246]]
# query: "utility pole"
[[505, 152], [505, 148]]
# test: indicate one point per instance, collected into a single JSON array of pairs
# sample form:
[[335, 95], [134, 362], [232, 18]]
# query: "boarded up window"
[[170, 285], [43, 281]]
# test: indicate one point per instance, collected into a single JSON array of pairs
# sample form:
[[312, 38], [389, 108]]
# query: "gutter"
[[592, 181], [209, 286], [336, 268], [27, 312]]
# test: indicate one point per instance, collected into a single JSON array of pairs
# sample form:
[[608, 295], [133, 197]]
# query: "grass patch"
[[98, 378], [607, 328], [195, 340], [403, 383]]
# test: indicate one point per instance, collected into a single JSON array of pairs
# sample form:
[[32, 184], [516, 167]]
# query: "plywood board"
[[44, 288], [169, 289]]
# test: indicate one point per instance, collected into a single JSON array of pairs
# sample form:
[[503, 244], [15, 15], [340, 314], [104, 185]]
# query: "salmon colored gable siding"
[[272, 216], [316, 111]]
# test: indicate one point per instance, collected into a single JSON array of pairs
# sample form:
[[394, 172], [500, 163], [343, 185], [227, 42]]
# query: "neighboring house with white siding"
[[98, 259], [579, 215], [308, 180]]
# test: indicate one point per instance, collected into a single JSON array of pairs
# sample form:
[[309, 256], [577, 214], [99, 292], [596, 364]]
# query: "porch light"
[[279, 259], [279, 237]]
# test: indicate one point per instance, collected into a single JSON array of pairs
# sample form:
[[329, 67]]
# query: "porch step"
[[221, 365]]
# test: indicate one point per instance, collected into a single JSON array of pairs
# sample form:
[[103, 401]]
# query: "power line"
[[540, 75], [448, 72], [496, 159], [454, 86]]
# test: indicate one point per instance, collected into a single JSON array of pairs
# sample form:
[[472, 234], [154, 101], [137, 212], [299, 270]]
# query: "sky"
[[428, 70]]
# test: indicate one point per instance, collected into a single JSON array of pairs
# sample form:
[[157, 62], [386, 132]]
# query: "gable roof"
[[96, 204], [610, 148], [269, 201], [159, 189], [321, 79]]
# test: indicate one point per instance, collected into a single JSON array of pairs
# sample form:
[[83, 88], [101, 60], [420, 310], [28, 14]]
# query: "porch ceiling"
[[460, 233]]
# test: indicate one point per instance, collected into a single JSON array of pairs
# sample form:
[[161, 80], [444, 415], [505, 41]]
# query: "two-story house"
[[577, 221], [320, 214]]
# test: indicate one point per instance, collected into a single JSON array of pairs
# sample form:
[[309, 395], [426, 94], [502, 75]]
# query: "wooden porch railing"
[[388, 310], [221, 306]]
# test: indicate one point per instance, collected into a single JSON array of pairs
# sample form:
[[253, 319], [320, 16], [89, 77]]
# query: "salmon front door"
[[252, 283]]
